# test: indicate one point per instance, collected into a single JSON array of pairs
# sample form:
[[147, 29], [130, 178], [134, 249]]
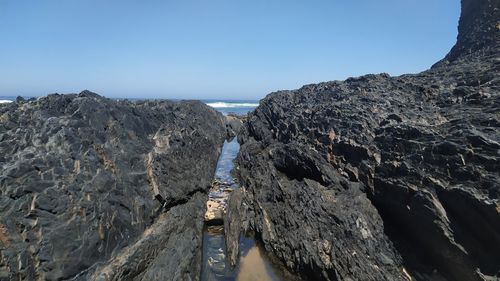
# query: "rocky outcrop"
[[478, 30], [379, 177], [168, 250], [78, 181], [234, 124]]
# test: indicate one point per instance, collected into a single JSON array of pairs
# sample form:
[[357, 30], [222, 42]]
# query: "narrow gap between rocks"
[[253, 263]]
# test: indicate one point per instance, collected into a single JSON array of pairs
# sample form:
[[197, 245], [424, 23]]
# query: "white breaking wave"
[[221, 104], [5, 101]]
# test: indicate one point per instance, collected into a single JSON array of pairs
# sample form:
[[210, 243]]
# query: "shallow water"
[[254, 265], [226, 162]]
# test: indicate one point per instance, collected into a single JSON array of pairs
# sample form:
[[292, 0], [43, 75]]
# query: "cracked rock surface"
[[78, 179], [379, 177]]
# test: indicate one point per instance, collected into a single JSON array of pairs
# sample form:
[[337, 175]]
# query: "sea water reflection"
[[253, 265]]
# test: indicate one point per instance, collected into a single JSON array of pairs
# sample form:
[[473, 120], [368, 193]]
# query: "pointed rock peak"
[[88, 94], [478, 29]]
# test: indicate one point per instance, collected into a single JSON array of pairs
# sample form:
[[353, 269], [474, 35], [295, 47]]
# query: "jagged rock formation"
[[234, 123], [78, 179], [478, 30], [379, 177]]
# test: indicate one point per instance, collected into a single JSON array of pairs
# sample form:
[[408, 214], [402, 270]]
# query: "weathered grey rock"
[[234, 124], [234, 224], [157, 256], [78, 179], [383, 178]]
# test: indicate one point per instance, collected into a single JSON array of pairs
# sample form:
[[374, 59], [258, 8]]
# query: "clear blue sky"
[[213, 48]]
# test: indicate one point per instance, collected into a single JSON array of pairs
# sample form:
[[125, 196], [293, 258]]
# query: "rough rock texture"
[[234, 124], [78, 179], [233, 225], [379, 177], [156, 256]]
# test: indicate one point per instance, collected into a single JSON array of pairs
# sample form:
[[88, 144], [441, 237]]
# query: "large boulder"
[[379, 177], [78, 180]]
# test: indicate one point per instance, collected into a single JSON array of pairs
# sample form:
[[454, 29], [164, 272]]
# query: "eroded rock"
[[79, 175], [380, 177]]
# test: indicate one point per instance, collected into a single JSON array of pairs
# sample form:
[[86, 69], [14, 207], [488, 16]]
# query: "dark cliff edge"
[[478, 29], [379, 177], [79, 176]]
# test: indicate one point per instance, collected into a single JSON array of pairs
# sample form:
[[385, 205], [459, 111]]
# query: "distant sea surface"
[[239, 107], [6, 99]]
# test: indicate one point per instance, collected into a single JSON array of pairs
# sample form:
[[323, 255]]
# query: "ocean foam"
[[5, 101], [221, 104]]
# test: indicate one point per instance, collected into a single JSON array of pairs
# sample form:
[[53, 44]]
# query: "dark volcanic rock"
[[234, 124], [379, 177], [79, 175], [478, 29], [169, 250]]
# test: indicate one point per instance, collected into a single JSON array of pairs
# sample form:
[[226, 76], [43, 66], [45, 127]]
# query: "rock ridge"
[[478, 29], [380, 177], [79, 176]]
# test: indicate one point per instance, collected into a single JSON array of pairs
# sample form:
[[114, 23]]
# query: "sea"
[[238, 107], [7, 99]]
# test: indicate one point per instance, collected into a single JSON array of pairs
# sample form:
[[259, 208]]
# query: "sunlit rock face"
[[379, 177], [78, 180]]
